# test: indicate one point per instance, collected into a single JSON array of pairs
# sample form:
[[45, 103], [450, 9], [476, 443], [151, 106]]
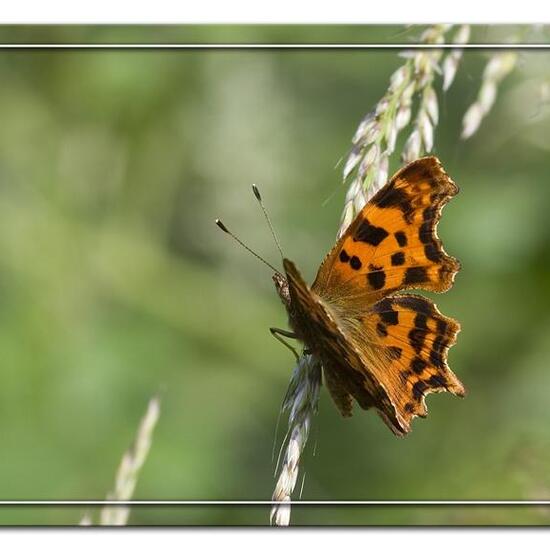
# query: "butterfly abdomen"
[[317, 326]]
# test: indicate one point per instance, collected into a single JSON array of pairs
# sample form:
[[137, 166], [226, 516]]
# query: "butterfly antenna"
[[256, 192], [222, 226]]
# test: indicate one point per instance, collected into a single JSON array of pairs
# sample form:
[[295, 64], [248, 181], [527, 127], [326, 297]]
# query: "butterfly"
[[380, 347]]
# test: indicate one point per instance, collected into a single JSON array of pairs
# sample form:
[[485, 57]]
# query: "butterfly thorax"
[[302, 325], [296, 321], [283, 290]]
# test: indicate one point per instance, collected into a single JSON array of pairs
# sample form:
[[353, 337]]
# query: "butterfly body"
[[378, 346]]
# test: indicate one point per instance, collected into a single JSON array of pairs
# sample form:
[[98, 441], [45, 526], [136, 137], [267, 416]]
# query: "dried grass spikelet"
[[301, 401], [128, 470], [452, 60], [426, 65], [498, 67], [366, 167]]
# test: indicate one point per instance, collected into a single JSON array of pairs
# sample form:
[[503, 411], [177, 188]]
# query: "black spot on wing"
[[418, 365], [432, 252], [381, 329], [383, 305], [401, 238], [430, 211], [389, 317], [417, 335], [391, 197], [368, 233], [416, 304], [355, 263], [420, 321], [415, 275], [376, 278], [398, 258], [442, 326], [416, 339], [425, 231], [436, 359], [344, 257]]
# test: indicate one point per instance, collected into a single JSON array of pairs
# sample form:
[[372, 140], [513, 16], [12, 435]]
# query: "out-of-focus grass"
[[115, 284]]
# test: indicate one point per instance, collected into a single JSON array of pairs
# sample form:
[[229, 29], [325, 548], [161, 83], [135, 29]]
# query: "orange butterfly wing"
[[385, 351], [408, 340], [392, 244]]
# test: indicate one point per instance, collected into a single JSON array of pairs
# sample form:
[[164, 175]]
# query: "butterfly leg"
[[279, 333]]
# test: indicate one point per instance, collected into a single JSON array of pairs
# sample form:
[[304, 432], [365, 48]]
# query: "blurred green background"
[[115, 283]]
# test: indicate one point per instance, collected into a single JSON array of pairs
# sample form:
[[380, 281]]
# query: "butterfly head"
[[281, 286]]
